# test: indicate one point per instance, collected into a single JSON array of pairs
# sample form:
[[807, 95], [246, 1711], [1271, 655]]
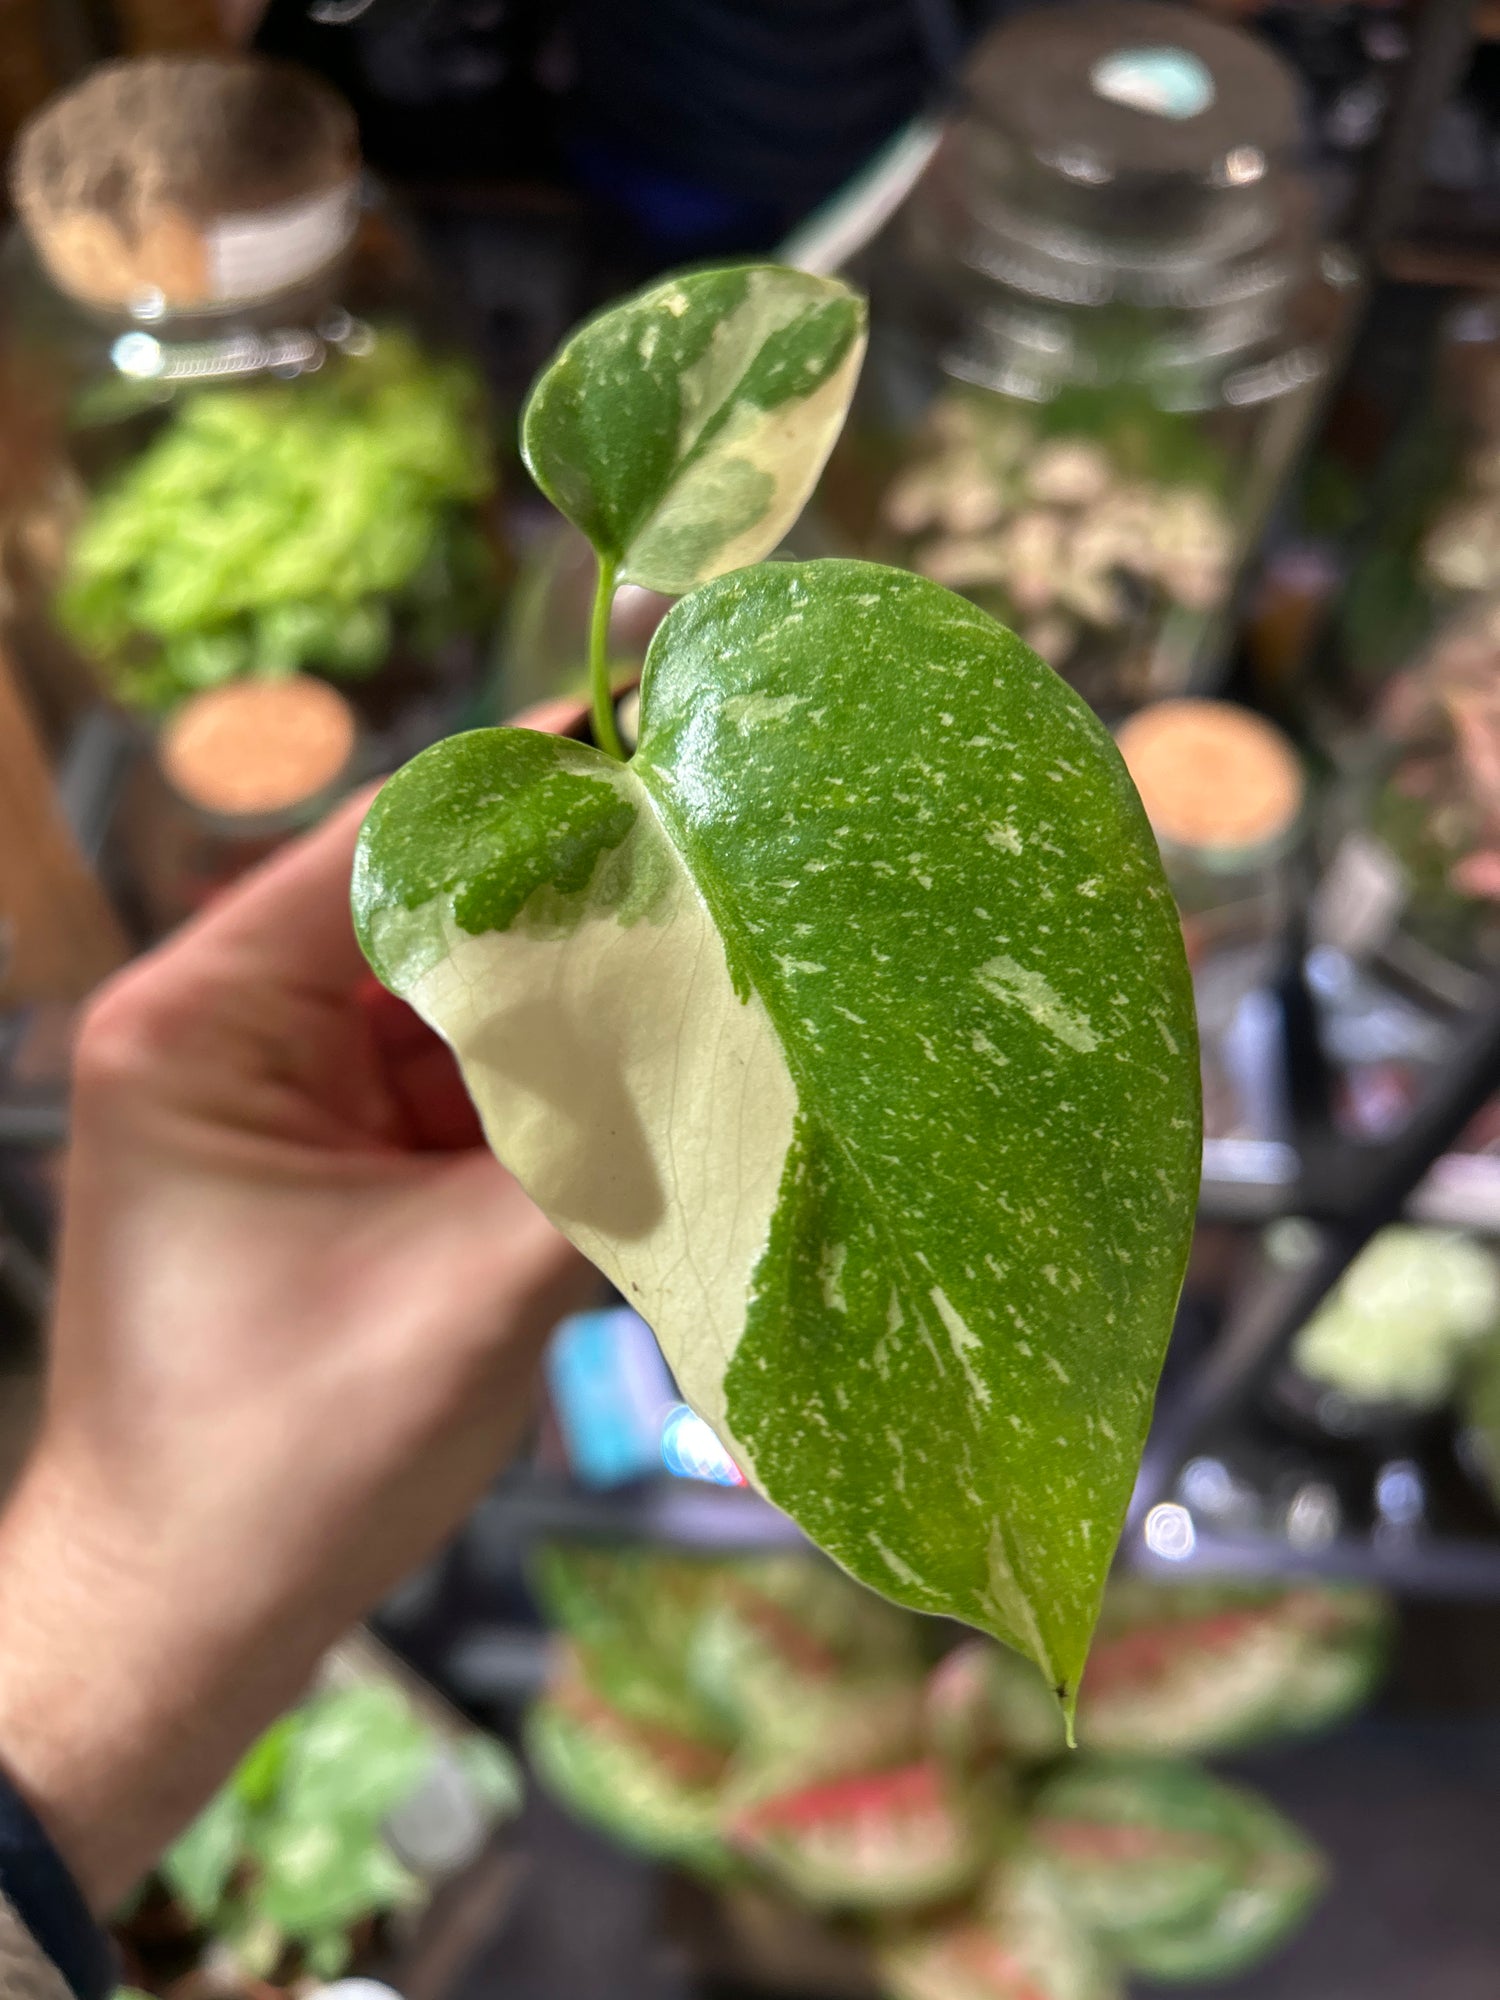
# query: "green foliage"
[[282, 526], [1143, 440], [1403, 1320], [292, 1854], [1213, 1667]]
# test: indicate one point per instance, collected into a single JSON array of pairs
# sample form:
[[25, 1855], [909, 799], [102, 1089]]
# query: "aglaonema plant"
[[846, 1026]]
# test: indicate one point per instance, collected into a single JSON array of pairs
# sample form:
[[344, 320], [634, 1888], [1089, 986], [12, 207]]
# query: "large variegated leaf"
[[684, 430], [848, 1029]]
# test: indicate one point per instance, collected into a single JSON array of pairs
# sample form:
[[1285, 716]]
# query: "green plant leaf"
[[258, 1774], [197, 1867], [1278, 1876], [683, 430], [654, 1789], [982, 1704], [319, 1875], [357, 1753], [848, 1029], [1023, 1943], [493, 1776], [1190, 1670], [1138, 1843], [884, 1840]]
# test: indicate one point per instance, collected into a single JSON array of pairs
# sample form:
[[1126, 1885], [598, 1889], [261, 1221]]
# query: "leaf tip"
[[1067, 1701]]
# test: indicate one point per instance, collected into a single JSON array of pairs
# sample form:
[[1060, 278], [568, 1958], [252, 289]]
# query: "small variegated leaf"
[[982, 1703], [848, 1029], [683, 430]]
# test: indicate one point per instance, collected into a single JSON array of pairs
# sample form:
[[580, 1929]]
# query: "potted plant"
[[846, 1026], [335, 1828], [841, 1777]]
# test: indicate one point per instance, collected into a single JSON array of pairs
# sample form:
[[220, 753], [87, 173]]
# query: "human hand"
[[299, 1308]]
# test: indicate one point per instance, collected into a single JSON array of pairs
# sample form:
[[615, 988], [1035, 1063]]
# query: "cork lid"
[[169, 183], [1212, 777], [256, 748]]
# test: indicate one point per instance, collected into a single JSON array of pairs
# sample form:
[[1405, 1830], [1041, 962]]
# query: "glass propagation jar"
[[1436, 545], [260, 453], [1098, 322], [1411, 835], [1225, 793]]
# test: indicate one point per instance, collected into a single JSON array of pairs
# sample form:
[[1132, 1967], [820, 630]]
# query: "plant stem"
[[605, 734]]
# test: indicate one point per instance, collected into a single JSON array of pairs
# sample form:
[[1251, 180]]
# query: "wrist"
[[120, 1710]]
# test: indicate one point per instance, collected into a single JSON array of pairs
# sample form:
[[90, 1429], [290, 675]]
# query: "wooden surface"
[[58, 934], [43, 45], [169, 27]]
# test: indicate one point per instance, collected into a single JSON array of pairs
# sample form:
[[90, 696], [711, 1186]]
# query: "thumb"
[[492, 1240]]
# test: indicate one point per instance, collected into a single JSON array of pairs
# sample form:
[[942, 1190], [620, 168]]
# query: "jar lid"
[[1135, 91], [172, 183], [256, 748], [1215, 779]]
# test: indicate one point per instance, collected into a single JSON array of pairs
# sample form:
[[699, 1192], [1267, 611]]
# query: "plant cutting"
[[846, 1026]]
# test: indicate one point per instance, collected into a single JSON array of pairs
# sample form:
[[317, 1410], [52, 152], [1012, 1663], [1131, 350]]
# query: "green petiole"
[[605, 733]]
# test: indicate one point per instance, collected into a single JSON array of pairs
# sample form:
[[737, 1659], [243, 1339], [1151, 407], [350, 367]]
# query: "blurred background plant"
[[282, 526], [768, 1726], [348, 1810]]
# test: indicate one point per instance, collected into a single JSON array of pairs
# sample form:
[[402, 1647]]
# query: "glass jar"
[[1411, 839], [1436, 545], [1225, 794], [266, 457], [1097, 324]]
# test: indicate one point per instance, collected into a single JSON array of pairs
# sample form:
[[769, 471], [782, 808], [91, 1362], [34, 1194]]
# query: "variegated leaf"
[[848, 1029], [1024, 1943], [683, 430]]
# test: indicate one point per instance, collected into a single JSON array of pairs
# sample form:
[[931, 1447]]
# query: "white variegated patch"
[[635, 1097], [788, 444], [724, 393]]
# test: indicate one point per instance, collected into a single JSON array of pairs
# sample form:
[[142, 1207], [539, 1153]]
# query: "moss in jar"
[[1068, 519], [278, 526]]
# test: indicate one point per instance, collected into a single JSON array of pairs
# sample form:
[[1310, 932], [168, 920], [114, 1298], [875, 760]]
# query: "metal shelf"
[[1415, 1566]]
